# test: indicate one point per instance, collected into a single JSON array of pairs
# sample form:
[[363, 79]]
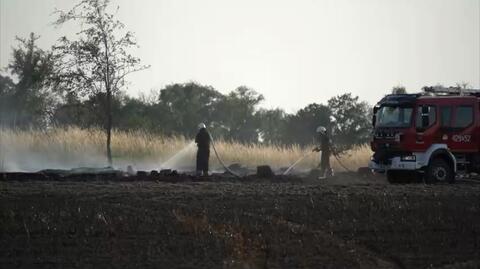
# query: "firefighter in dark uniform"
[[325, 147], [203, 153]]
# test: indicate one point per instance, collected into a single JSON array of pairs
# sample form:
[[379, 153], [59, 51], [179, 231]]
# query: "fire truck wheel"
[[439, 171]]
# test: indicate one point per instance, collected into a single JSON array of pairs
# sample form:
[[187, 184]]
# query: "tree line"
[[175, 109], [81, 82]]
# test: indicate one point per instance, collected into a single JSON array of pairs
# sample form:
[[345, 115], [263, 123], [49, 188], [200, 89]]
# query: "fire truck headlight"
[[409, 158]]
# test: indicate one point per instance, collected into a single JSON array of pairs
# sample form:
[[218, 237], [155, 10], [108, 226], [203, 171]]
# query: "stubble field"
[[343, 222]]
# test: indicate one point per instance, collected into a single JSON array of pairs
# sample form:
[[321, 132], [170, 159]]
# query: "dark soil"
[[344, 222]]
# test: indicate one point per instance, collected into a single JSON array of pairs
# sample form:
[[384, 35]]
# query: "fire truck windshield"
[[394, 116]]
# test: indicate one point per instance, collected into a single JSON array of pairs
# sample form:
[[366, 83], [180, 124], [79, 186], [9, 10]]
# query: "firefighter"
[[203, 153], [325, 147]]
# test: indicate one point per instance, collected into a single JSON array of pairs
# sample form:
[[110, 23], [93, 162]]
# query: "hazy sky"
[[293, 52]]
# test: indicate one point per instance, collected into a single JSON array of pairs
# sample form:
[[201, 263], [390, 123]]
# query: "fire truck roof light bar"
[[439, 90]]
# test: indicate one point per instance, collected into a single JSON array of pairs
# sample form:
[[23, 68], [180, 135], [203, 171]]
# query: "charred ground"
[[343, 222]]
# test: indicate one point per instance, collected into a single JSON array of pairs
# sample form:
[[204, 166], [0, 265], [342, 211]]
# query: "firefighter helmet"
[[321, 130]]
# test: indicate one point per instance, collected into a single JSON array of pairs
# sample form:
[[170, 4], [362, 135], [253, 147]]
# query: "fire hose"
[[220, 159], [306, 155], [284, 173], [341, 164]]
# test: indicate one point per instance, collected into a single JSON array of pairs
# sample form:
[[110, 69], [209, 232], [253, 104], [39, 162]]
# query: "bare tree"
[[462, 85], [98, 61]]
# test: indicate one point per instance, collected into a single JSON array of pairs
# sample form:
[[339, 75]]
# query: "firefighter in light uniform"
[[325, 147], [203, 153]]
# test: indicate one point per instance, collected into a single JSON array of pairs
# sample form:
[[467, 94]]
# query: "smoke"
[[19, 157], [35, 150], [23, 153], [182, 161]]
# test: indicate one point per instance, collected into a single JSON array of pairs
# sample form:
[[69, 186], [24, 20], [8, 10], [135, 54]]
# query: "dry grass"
[[279, 156], [74, 147]]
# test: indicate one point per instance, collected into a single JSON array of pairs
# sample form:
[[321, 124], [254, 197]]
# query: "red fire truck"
[[433, 135]]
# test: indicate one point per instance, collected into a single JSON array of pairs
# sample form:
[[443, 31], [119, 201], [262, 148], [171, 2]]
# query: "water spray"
[[178, 157], [297, 162], [308, 154]]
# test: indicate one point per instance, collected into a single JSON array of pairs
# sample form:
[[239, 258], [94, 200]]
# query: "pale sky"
[[293, 52]]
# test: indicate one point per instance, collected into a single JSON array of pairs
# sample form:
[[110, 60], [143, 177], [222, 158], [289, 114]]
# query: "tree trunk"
[[108, 88], [109, 127]]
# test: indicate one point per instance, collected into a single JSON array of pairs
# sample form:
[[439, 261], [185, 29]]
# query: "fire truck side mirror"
[[425, 117], [425, 121], [425, 110]]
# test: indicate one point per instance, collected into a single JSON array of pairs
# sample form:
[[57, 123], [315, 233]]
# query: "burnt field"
[[343, 222]]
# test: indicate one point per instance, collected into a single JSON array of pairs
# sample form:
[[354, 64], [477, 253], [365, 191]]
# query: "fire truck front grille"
[[384, 156]]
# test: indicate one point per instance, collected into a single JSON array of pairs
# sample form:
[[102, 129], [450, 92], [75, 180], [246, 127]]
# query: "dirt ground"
[[344, 222]]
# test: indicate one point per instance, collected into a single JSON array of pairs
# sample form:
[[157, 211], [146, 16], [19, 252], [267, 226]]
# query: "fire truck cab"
[[433, 135]]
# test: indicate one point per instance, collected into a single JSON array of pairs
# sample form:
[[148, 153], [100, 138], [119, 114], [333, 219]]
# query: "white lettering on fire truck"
[[461, 138]]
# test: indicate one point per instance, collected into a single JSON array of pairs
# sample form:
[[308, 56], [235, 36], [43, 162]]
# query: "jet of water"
[[182, 159]]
